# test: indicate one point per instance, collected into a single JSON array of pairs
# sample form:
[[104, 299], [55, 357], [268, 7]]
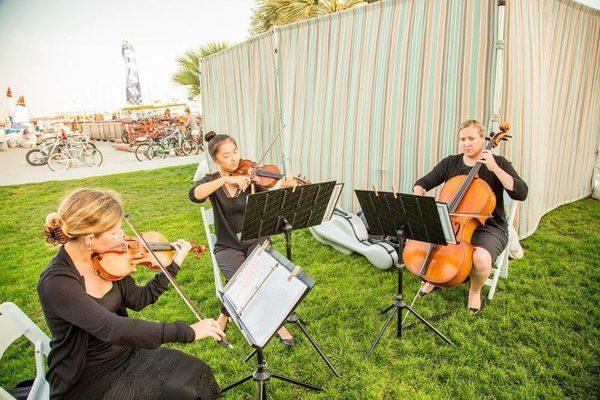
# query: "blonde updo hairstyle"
[[81, 213], [472, 122]]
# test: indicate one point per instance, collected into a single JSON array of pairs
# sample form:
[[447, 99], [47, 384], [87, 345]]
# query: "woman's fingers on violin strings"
[[182, 245], [185, 245]]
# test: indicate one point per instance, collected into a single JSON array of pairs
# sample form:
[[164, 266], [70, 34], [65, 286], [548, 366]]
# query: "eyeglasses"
[[117, 236]]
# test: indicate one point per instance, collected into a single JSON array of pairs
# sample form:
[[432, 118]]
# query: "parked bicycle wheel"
[[59, 162], [36, 157], [189, 147], [92, 157], [141, 150], [173, 145], [90, 145], [156, 150], [125, 137]]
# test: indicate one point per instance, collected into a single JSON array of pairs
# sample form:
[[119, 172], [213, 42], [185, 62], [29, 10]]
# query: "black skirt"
[[156, 374], [493, 239]]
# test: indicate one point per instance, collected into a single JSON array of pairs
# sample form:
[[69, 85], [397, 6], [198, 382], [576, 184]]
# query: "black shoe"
[[286, 342], [476, 311], [421, 293]]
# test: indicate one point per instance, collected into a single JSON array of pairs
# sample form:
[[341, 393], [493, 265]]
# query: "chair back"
[[208, 220]]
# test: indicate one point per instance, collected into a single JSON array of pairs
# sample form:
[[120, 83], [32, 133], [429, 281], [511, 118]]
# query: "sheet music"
[[265, 312], [261, 294], [335, 195], [251, 275], [446, 222]]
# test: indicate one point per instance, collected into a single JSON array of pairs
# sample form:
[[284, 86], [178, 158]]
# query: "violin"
[[471, 202], [117, 262], [150, 249], [264, 176]]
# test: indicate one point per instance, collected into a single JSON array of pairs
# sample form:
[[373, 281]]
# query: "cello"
[[470, 202]]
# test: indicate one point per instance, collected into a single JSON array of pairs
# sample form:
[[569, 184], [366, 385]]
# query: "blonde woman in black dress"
[[97, 351], [490, 239]]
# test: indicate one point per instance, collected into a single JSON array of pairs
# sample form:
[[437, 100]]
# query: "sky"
[[65, 55]]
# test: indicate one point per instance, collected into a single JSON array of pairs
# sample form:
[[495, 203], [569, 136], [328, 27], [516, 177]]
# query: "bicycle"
[[174, 143], [39, 155], [142, 148], [75, 152]]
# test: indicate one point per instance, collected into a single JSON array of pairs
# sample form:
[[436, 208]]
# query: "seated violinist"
[[490, 239], [97, 350], [227, 193]]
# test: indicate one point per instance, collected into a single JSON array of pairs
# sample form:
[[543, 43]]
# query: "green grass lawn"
[[538, 338]]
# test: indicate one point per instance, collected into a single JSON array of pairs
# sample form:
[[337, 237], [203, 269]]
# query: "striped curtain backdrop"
[[373, 95], [239, 95], [552, 99]]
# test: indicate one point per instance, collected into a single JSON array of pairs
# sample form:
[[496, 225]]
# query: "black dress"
[[98, 352], [228, 212], [493, 236]]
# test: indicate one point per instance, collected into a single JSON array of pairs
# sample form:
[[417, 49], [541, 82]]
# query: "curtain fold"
[[552, 91]]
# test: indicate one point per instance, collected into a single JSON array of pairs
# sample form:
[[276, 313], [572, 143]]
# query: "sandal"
[[476, 311]]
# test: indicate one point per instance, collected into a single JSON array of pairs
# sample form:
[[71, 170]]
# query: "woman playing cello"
[[491, 238]]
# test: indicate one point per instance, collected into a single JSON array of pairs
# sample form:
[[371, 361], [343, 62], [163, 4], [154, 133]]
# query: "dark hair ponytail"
[[215, 141]]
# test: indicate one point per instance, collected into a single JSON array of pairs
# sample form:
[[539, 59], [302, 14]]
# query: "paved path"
[[14, 169]]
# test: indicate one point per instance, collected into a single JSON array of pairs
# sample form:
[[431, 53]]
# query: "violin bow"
[[268, 149], [252, 189], [223, 342]]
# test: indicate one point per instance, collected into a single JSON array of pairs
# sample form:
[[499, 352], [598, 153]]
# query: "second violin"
[[265, 176]]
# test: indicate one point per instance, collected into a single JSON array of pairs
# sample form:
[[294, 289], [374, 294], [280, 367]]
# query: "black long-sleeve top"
[[79, 323], [454, 165], [228, 212]]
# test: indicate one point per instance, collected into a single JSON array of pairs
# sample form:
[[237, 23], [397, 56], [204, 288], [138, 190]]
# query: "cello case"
[[347, 233]]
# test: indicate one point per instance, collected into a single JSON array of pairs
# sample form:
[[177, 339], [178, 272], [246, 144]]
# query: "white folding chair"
[[14, 324], [208, 220], [500, 268]]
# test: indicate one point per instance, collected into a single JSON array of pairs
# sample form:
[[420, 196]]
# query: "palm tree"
[[189, 66], [269, 13]]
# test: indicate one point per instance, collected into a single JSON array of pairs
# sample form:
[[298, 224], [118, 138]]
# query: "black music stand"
[[252, 324], [404, 216], [284, 210]]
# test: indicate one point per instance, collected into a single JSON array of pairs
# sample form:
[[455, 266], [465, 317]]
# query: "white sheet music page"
[[335, 195], [249, 278], [446, 222], [272, 304]]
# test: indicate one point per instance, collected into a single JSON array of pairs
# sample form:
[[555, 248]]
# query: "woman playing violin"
[[227, 193], [490, 239], [97, 350]]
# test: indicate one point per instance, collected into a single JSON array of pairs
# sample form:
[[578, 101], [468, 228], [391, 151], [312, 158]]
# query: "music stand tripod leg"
[[297, 383], [383, 328], [249, 356], [294, 318], [433, 328], [244, 379], [262, 375]]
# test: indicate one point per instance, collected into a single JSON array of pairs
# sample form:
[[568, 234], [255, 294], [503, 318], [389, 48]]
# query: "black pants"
[[230, 260]]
